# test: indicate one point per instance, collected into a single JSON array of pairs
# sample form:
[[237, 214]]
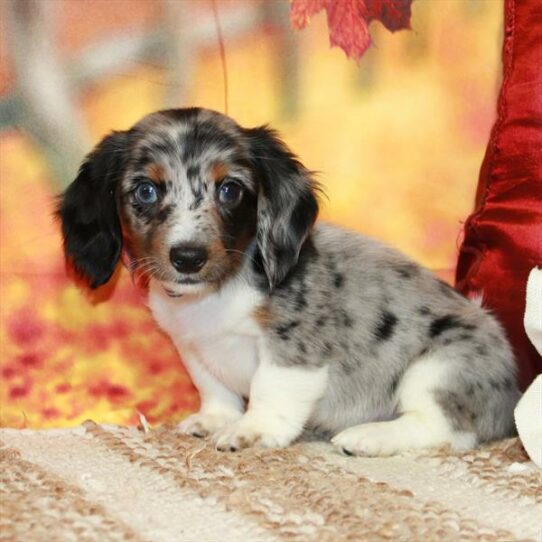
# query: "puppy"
[[283, 324]]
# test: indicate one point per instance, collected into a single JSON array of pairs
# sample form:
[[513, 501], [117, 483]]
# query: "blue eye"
[[230, 193], [146, 193]]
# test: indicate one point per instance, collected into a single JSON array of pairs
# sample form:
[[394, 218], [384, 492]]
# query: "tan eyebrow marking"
[[156, 173], [219, 171]]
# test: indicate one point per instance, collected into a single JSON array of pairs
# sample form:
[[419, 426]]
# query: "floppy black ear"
[[287, 204], [88, 212]]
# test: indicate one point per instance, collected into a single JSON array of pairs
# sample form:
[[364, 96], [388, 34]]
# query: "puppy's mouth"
[[184, 286], [171, 293], [188, 281], [208, 280]]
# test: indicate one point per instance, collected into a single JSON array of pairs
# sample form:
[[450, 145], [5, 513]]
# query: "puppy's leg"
[[422, 422], [219, 405], [281, 402]]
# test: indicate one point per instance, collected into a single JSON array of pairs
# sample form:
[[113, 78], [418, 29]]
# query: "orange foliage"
[[64, 357]]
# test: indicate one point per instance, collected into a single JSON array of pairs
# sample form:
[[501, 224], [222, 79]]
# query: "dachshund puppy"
[[283, 324]]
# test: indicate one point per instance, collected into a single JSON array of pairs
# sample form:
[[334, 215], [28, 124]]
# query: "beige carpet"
[[96, 483]]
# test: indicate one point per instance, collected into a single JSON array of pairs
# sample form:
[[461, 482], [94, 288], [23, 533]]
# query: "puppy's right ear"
[[88, 212]]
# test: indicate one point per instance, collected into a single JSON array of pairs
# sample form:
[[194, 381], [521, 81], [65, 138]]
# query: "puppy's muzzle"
[[188, 258]]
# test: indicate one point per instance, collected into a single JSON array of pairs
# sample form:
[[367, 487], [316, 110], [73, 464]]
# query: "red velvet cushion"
[[503, 237]]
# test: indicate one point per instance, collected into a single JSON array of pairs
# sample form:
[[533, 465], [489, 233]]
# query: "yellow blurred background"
[[397, 140]]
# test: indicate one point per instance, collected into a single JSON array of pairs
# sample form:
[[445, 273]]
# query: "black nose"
[[188, 258]]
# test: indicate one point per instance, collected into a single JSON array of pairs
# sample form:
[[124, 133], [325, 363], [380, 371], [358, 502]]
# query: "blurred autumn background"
[[397, 137]]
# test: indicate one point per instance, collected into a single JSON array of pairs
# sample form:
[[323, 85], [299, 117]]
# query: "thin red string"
[[222, 54]]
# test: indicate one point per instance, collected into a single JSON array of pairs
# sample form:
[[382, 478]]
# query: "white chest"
[[218, 329]]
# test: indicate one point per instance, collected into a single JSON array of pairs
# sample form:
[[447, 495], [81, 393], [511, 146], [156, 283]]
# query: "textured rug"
[[97, 483]]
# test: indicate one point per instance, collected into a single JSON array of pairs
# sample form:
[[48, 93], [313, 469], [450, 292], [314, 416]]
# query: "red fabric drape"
[[503, 236]]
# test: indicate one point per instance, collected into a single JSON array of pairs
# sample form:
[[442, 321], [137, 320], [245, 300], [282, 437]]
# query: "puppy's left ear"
[[287, 203], [88, 212]]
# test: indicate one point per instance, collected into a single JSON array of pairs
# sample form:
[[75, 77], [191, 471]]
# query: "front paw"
[[203, 424], [364, 440], [245, 434]]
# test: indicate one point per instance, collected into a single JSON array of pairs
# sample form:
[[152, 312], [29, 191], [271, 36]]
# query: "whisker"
[[150, 263], [135, 263]]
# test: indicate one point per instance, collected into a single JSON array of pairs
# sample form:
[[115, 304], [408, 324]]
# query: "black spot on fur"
[[283, 331], [327, 349], [165, 147], [424, 311], [202, 137], [193, 171], [386, 326], [302, 347], [164, 213], [347, 320], [339, 280], [406, 270], [321, 321], [509, 384], [494, 384], [347, 367], [300, 300], [446, 323], [481, 350]]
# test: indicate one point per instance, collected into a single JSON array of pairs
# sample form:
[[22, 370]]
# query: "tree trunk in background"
[[48, 112]]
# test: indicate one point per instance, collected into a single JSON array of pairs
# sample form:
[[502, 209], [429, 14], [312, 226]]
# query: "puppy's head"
[[187, 193]]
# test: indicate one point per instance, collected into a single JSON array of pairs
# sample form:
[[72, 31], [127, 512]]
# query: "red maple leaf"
[[348, 20], [393, 14]]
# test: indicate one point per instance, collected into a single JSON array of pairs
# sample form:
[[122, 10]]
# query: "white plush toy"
[[528, 413]]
